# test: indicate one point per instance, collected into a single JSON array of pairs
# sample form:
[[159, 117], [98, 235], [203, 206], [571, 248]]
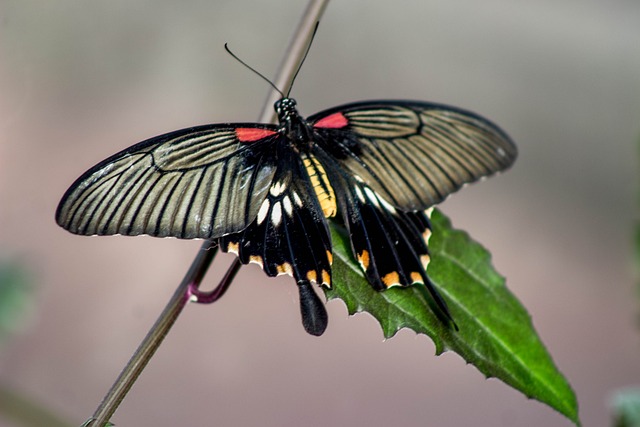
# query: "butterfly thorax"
[[297, 130], [300, 134]]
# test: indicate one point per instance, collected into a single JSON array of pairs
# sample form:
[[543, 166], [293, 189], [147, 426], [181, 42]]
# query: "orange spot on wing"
[[416, 277], [253, 134], [233, 248], [256, 260], [391, 279], [284, 268], [326, 278], [363, 258], [333, 121], [312, 276]]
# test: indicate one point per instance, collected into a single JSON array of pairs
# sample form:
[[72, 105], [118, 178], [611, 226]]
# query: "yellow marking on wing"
[[321, 185], [363, 259], [426, 235], [391, 279], [416, 277], [330, 257]]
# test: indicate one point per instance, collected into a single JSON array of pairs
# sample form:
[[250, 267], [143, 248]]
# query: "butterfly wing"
[[290, 236], [389, 161], [200, 182], [414, 154], [389, 244]]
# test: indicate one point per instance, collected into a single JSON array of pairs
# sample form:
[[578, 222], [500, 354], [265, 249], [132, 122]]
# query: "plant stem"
[[293, 56], [154, 337], [188, 288]]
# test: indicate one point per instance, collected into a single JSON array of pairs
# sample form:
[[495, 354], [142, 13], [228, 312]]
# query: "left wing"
[[200, 182]]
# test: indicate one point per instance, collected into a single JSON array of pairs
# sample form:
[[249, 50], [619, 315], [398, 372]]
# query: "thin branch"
[[154, 337], [189, 287], [293, 56]]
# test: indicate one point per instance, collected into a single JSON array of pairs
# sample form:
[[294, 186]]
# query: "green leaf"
[[496, 334], [626, 408]]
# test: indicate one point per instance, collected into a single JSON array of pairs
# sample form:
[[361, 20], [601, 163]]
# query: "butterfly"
[[266, 192]]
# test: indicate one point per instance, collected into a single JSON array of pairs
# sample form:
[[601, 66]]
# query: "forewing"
[[413, 154], [200, 182]]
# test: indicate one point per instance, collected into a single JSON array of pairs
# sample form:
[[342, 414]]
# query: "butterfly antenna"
[[313, 35], [253, 69]]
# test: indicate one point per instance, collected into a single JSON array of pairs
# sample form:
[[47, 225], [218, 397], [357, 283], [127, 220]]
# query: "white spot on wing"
[[388, 206], [277, 188], [296, 200], [372, 196], [276, 214], [264, 210], [288, 208]]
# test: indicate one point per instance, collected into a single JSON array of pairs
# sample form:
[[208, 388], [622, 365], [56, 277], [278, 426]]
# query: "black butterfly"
[[265, 191]]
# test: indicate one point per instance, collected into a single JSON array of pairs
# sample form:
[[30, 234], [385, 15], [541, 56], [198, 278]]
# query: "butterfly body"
[[265, 192]]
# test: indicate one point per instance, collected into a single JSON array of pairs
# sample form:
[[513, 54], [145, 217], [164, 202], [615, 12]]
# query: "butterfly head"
[[291, 124], [286, 109]]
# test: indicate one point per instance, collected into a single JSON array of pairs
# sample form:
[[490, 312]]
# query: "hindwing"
[[390, 245], [289, 234]]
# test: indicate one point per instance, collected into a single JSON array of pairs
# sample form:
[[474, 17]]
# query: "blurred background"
[[82, 80]]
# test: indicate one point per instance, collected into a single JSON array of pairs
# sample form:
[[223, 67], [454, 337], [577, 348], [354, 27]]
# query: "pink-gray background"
[[81, 80]]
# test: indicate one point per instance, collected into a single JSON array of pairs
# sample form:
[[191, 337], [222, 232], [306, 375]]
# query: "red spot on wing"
[[253, 134], [333, 121]]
